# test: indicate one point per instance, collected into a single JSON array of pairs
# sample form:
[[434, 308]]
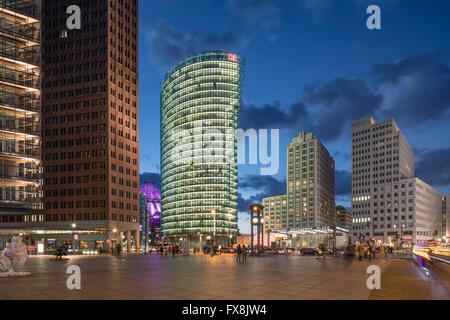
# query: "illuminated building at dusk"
[[89, 135], [389, 203], [309, 201], [200, 102]]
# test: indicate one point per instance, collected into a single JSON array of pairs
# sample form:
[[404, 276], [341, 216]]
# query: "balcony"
[[27, 34], [18, 81], [23, 58], [16, 102], [24, 11]]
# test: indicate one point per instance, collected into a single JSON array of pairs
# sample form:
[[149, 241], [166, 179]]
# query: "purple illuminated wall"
[[153, 198], [153, 202]]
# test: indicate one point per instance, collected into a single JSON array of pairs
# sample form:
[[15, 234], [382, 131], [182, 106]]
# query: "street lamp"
[[114, 240], [229, 227], [401, 235], [74, 238]]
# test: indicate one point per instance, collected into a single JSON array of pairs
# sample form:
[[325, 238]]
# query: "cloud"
[[345, 201], [346, 156], [266, 186], [343, 182], [150, 177], [341, 101], [245, 203], [413, 90], [169, 46], [272, 116], [331, 107], [416, 88], [433, 166]]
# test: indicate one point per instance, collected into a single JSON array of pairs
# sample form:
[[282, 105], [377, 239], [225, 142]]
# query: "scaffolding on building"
[[20, 106]]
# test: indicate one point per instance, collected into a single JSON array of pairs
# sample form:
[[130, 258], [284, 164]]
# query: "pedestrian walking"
[[174, 249], [161, 250], [381, 250], [238, 253], [244, 253], [361, 251]]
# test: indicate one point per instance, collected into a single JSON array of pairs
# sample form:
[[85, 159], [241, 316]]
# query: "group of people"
[[369, 251], [241, 252], [171, 249]]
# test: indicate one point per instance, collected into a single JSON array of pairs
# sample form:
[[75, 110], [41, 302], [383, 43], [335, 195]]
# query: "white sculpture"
[[14, 255]]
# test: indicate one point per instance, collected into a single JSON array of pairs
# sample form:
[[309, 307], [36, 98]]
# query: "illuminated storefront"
[[308, 237], [46, 240], [200, 102]]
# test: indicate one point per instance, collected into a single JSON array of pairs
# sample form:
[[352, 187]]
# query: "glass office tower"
[[20, 108], [200, 101]]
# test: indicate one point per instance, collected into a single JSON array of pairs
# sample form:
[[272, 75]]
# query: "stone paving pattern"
[[403, 280], [201, 277]]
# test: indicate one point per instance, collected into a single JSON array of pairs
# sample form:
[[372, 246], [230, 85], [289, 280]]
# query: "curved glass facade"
[[200, 102]]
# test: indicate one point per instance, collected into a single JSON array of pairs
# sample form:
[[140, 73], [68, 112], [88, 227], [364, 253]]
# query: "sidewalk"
[[404, 280]]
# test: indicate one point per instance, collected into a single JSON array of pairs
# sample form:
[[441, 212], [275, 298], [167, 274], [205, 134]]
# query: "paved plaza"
[[201, 277]]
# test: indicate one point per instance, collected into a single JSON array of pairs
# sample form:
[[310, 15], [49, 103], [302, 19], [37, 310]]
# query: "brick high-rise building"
[[90, 131]]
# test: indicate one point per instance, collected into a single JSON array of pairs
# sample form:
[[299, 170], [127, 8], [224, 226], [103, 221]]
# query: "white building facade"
[[388, 202], [446, 217]]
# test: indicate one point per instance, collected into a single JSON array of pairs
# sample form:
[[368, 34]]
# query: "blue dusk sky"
[[311, 65]]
